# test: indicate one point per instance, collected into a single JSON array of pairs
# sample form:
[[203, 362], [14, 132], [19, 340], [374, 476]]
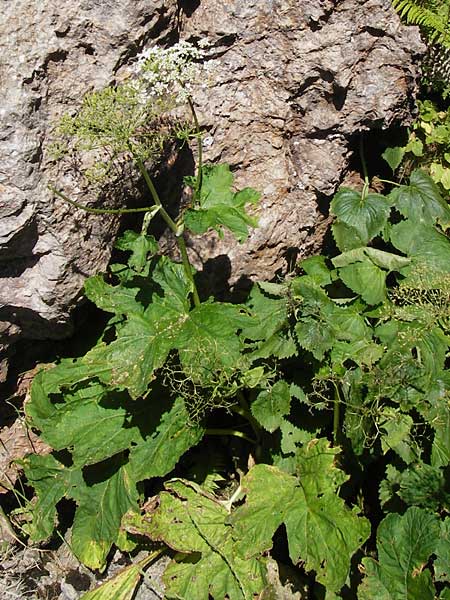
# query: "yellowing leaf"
[[120, 587], [194, 524], [322, 532]]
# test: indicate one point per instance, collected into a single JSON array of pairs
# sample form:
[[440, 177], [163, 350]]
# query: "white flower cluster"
[[168, 72]]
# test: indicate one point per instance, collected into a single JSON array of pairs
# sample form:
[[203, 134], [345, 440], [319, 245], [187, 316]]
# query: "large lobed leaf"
[[101, 504], [322, 532], [156, 440], [405, 544], [211, 564]]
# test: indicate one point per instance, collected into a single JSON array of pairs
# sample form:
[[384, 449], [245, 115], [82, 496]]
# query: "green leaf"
[[346, 237], [445, 179], [384, 260], [292, 436], [389, 485], [424, 486], [435, 411], [315, 336], [362, 352], [395, 428], [93, 433], [140, 246], [442, 562], [313, 297], [52, 381], [272, 405], [93, 423], [421, 201], [415, 146], [279, 345], [218, 206], [366, 279], [347, 323], [158, 454], [367, 215], [101, 507], [424, 243], [208, 340], [144, 341], [322, 532], [316, 267], [405, 544], [194, 524], [120, 587], [115, 299], [269, 315], [51, 481], [394, 156]]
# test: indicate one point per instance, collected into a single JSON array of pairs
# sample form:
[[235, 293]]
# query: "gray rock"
[[52, 53], [291, 84]]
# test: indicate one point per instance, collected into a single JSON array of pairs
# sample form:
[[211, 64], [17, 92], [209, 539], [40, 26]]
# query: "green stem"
[[336, 414], [198, 134], [246, 412], [187, 268], [363, 160], [156, 199], [365, 190], [99, 211], [389, 181], [239, 411], [146, 222], [233, 432], [173, 227]]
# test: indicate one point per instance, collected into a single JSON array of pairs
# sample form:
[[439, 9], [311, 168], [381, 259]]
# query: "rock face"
[[290, 85]]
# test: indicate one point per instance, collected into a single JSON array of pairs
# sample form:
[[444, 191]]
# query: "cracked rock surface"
[[290, 84]]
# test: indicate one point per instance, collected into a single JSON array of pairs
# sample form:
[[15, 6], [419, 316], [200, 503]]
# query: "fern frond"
[[431, 15]]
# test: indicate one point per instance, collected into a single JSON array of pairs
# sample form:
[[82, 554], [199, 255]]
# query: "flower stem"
[[198, 134], [176, 229]]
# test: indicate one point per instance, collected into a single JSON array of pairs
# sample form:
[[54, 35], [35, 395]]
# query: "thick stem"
[[172, 226], [165, 215], [187, 268]]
